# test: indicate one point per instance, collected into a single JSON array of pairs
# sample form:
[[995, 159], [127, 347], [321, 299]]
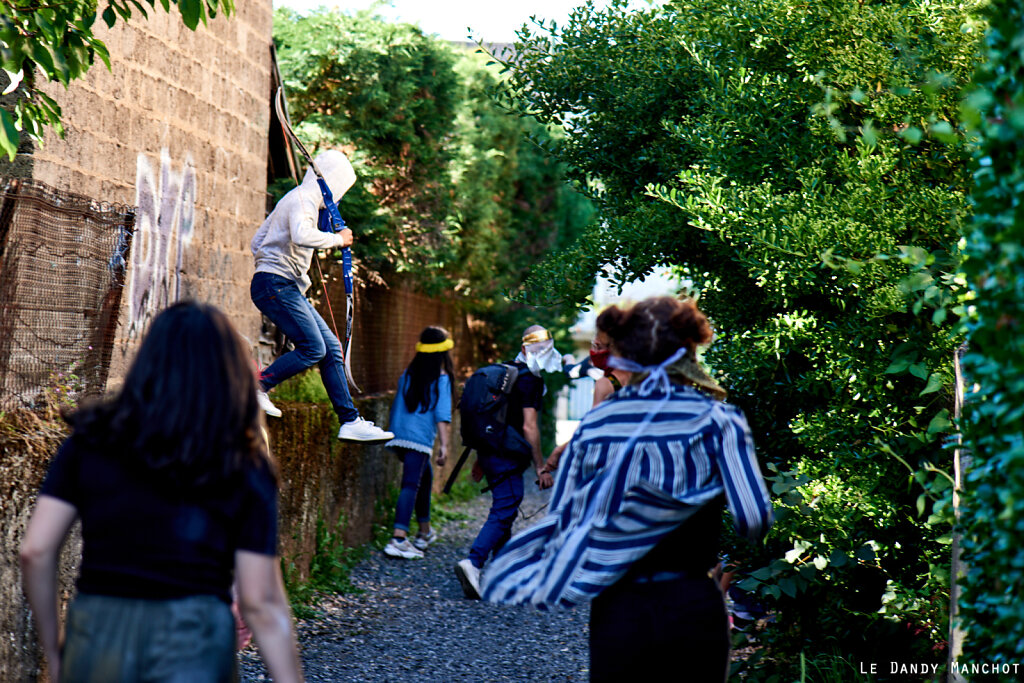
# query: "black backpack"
[[483, 409], [483, 412]]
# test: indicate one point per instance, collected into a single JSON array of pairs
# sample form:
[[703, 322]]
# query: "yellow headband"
[[537, 337], [434, 348]]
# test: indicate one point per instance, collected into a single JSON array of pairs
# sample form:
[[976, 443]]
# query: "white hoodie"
[[285, 242]]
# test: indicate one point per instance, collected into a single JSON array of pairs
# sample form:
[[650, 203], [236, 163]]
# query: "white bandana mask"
[[541, 357]]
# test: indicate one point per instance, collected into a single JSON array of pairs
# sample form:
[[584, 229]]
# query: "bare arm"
[[443, 431], [531, 431], [551, 464], [602, 389], [264, 607], [40, 550]]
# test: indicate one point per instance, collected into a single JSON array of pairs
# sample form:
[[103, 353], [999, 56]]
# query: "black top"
[[145, 540], [691, 548], [527, 393]]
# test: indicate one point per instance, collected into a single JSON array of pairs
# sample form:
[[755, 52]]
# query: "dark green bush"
[[803, 165], [993, 514]]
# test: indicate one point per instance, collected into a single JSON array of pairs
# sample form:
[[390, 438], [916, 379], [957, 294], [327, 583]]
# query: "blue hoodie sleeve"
[[443, 409]]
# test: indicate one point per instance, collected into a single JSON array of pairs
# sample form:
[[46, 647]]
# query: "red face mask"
[[599, 359]]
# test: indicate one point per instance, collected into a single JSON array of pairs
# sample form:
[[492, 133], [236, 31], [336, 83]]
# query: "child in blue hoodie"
[[421, 411]]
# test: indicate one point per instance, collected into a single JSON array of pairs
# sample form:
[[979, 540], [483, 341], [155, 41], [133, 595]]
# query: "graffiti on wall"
[[164, 223]]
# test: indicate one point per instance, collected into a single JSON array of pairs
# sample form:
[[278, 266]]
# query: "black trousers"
[[674, 630]]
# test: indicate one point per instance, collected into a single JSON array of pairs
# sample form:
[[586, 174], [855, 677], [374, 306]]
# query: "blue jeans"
[[506, 496], [279, 299], [417, 478]]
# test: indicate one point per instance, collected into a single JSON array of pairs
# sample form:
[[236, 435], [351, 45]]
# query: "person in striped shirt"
[[633, 523]]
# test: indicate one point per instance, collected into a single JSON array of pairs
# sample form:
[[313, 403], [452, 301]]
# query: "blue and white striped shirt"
[[608, 508]]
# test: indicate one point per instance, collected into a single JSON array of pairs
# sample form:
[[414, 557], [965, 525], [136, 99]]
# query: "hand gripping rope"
[[329, 221]]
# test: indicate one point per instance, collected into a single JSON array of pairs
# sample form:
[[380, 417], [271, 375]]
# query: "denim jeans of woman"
[[417, 479], [280, 300]]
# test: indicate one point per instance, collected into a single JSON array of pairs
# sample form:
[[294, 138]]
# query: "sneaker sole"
[[384, 436], [467, 587]]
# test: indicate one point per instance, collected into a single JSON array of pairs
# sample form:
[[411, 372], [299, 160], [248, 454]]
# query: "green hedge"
[[803, 165], [993, 514]]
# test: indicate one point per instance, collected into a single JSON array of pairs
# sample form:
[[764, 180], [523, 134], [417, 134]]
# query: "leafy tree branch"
[[55, 41]]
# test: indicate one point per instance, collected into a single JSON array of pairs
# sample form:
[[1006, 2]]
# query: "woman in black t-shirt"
[[177, 496]]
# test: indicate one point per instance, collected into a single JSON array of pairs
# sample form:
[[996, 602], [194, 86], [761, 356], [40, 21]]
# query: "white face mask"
[[541, 357]]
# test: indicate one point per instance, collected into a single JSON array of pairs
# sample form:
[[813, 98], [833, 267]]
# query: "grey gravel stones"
[[412, 623]]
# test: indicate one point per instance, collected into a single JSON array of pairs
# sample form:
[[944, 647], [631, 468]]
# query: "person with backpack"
[[636, 513], [421, 410], [283, 250], [514, 445]]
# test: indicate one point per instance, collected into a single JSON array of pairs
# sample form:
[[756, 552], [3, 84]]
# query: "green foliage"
[[390, 92], [803, 164], [330, 569], [56, 40], [993, 516], [830, 668], [62, 390], [306, 387], [463, 490], [454, 196]]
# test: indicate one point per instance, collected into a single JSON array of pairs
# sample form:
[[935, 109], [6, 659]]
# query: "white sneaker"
[[266, 404], [404, 549], [469, 577], [363, 430], [423, 542]]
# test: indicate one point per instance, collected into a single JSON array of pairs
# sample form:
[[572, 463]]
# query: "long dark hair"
[[424, 370], [187, 412]]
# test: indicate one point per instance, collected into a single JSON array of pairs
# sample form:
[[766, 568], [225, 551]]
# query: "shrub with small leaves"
[[993, 514], [803, 165]]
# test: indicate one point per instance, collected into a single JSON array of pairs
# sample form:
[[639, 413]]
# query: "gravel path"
[[412, 623]]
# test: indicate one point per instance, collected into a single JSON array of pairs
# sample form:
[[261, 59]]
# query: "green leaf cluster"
[[804, 166], [993, 514], [455, 196], [55, 40]]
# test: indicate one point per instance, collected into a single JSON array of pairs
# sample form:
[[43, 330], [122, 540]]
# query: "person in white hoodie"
[[283, 248]]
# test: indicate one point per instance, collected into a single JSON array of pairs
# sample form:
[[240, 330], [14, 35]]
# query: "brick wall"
[[178, 127]]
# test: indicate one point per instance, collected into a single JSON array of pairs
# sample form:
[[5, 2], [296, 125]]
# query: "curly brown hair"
[[652, 330]]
